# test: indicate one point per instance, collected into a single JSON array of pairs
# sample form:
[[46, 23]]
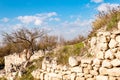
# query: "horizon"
[[67, 18]]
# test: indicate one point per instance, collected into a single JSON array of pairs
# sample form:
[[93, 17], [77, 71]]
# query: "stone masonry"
[[105, 66]]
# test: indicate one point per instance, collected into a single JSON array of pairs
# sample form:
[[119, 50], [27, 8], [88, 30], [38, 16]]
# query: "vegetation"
[[107, 19], [66, 51], [22, 39]]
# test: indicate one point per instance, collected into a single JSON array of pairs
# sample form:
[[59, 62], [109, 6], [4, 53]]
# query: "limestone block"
[[73, 76], [96, 61], [113, 36], [118, 38], [119, 25], [113, 43], [77, 69], [115, 62], [106, 64], [72, 61], [117, 55], [86, 70], [114, 50], [118, 78], [88, 76], [103, 71], [109, 54], [102, 46], [80, 78], [101, 77], [100, 55], [46, 77], [112, 78], [93, 42], [66, 77], [103, 34], [90, 79], [42, 76], [80, 74], [86, 61], [94, 72], [84, 65], [95, 68], [102, 39], [89, 66], [114, 72]]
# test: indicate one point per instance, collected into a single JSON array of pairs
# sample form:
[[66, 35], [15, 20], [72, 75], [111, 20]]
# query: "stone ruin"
[[105, 46]]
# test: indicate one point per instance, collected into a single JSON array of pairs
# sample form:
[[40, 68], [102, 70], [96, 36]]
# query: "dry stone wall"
[[105, 66]]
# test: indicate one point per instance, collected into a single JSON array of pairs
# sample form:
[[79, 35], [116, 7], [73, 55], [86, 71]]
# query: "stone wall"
[[14, 60], [105, 66]]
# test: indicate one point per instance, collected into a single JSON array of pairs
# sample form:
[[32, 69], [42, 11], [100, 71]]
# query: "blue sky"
[[67, 18]]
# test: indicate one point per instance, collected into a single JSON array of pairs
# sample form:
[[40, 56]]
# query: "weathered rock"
[[109, 54], [94, 72], [106, 64], [86, 70], [80, 78], [73, 62], [113, 43], [117, 55], [101, 77], [115, 62], [102, 46], [114, 72], [86, 61], [100, 55], [93, 42], [112, 78], [103, 71], [118, 38], [77, 69], [90, 79], [96, 62]]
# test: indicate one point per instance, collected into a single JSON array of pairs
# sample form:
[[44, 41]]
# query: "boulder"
[[96, 61], [101, 77], [117, 55], [115, 62], [73, 62], [114, 72], [106, 64], [77, 69], [118, 38], [113, 43], [100, 55], [102, 46], [109, 54], [103, 71]]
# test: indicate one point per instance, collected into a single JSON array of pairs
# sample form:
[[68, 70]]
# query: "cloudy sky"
[[68, 18]]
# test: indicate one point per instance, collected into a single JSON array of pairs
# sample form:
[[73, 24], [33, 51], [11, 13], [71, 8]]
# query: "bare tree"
[[48, 43], [24, 38]]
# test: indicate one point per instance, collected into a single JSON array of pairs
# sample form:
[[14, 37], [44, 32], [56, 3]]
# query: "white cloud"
[[38, 19], [97, 1], [54, 19], [17, 26], [5, 19], [77, 23], [107, 6]]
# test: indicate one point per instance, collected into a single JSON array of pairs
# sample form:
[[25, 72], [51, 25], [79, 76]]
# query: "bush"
[[109, 19]]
